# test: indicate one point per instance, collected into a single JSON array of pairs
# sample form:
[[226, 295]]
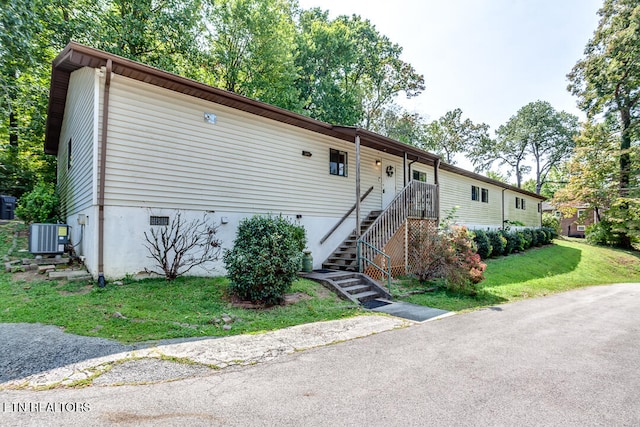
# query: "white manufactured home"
[[136, 144]]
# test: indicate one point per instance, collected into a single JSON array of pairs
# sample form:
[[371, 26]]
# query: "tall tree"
[[549, 136], [451, 135], [592, 169], [538, 133], [348, 71], [396, 123], [252, 49], [607, 79]]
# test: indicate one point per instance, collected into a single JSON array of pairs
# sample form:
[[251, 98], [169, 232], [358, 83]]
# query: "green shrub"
[[482, 243], [498, 243], [601, 234], [265, 258], [541, 237], [550, 221], [511, 243], [527, 235], [40, 205], [447, 256]]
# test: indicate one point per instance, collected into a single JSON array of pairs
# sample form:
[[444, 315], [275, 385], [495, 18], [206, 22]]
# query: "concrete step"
[[366, 296], [356, 289], [350, 281]]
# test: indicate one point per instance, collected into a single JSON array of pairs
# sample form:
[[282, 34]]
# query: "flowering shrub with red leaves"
[[449, 254]]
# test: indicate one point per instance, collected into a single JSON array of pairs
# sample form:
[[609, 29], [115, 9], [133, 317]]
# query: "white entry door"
[[388, 179]]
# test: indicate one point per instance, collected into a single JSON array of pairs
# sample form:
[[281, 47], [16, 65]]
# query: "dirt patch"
[[288, 300], [82, 291]]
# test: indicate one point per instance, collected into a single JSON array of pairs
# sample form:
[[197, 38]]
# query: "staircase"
[[345, 257], [356, 287]]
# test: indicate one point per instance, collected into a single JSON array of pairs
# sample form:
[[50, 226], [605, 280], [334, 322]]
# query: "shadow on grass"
[[534, 264]]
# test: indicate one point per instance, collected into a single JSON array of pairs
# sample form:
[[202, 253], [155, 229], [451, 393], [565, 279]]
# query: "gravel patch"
[[27, 349]]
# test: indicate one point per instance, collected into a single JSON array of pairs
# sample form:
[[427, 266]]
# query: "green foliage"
[[40, 205], [449, 255], [450, 135], [537, 132], [265, 258], [620, 224], [498, 243], [483, 243], [550, 221]]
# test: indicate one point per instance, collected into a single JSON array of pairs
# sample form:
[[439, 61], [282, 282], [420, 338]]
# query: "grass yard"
[[152, 308], [565, 265], [189, 307]]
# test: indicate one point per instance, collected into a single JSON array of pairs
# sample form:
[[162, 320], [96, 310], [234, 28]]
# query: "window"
[[520, 203], [338, 162], [475, 193], [69, 154], [580, 228], [419, 176], [558, 214], [485, 195], [581, 213]]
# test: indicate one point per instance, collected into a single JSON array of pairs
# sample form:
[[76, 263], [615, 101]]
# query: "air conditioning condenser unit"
[[48, 239]]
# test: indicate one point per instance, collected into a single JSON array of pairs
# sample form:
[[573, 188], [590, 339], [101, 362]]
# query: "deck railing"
[[417, 200]]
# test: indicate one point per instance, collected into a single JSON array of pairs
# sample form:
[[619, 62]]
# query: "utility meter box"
[[48, 239]]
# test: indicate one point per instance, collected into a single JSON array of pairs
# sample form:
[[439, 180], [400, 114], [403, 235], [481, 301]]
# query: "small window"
[[580, 228], [419, 176], [338, 162], [69, 154], [518, 201], [581, 213], [558, 214], [158, 220], [475, 193], [485, 195], [523, 204]]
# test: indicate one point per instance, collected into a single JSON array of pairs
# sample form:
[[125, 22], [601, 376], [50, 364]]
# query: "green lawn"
[[567, 264]]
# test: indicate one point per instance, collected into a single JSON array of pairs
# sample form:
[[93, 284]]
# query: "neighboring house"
[[576, 224], [136, 144]]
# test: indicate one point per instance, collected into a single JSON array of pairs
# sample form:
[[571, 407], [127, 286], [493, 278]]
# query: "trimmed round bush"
[[483, 244], [498, 243], [265, 259]]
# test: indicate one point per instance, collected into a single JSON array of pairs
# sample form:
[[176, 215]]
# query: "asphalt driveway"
[[567, 359]]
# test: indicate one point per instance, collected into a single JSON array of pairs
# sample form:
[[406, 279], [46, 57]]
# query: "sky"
[[487, 57]]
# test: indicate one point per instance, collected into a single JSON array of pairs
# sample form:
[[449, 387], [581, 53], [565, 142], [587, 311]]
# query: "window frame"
[[475, 193], [341, 155], [484, 195], [420, 175]]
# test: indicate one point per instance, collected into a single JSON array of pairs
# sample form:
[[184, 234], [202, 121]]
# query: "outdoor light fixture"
[[306, 153], [378, 162], [210, 118]]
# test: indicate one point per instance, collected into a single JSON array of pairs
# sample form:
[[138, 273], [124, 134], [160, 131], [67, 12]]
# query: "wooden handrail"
[[416, 200], [335, 227]]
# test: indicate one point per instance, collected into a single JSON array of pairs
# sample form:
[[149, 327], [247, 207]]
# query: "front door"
[[389, 173]]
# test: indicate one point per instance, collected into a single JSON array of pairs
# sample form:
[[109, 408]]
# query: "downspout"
[[404, 169], [436, 180], [357, 185], [102, 172], [502, 225]]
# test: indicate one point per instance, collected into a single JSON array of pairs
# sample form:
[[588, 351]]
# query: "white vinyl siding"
[[75, 181], [162, 153], [529, 216], [455, 192]]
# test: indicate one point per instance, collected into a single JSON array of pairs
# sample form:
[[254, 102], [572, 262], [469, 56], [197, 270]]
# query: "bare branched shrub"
[[182, 245]]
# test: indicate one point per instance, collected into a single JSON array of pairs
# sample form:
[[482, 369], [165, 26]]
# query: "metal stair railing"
[[372, 263]]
